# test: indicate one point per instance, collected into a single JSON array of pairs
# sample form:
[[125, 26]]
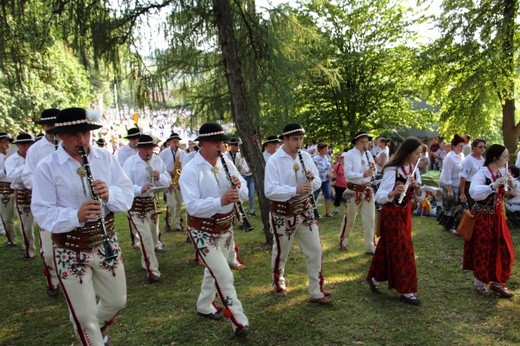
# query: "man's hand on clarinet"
[[100, 188], [89, 210], [304, 188], [309, 175], [146, 187], [368, 173], [230, 196], [236, 181]]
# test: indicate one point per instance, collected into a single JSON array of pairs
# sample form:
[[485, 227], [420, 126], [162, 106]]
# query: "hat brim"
[[23, 141], [363, 136], [73, 128], [46, 122], [132, 136], [216, 138], [277, 140], [296, 133]]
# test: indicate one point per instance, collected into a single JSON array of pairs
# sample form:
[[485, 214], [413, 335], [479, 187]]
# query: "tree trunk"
[[239, 105]]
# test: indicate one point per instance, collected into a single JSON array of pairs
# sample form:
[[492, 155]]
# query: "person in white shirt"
[[146, 171], [289, 181], [359, 196], [173, 158], [37, 152], [7, 193], [131, 148], [451, 168], [79, 188], [271, 144], [14, 165], [210, 194], [471, 165]]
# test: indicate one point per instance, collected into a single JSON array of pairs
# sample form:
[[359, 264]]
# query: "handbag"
[[466, 225]]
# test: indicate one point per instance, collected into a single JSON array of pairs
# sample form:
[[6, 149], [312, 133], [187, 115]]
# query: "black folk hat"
[[234, 141], [292, 130], [212, 132], [146, 141], [132, 133], [5, 135], [101, 142], [272, 139], [72, 120], [48, 116], [173, 136], [39, 136], [24, 138], [360, 134]]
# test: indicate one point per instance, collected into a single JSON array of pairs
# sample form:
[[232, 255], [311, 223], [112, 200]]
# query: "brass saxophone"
[[176, 169]]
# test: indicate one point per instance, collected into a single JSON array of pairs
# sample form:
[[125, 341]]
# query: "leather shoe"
[[410, 300], [53, 292], [373, 286], [242, 332], [153, 279], [501, 290], [343, 248], [216, 316], [323, 300]]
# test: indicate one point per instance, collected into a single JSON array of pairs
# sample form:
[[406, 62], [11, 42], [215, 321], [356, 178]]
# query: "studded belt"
[[85, 238], [218, 223]]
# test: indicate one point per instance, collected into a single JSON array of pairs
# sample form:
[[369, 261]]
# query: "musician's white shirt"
[[202, 186], [388, 183], [3, 175], [14, 168], [60, 190], [355, 164], [39, 150], [136, 169], [283, 174], [124, 153], [167, 155]]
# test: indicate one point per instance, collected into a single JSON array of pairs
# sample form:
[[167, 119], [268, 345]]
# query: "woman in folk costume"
[[394, 259], [489, 253]]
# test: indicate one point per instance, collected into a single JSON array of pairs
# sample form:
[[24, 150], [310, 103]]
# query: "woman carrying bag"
[[489, 253]]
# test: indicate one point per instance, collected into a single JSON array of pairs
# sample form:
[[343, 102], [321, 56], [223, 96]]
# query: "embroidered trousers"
[[305, 231], [173, 208], [47, 255], [366, 208], [27, 229], [7, 214], [85, 275], [147, 227], [214, 249]]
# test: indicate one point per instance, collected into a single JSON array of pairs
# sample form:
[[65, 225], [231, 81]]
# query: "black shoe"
[[10, 244], [216, 316], [373, 286], [242, 332], [53, 292], [153, 279], [412, 300]]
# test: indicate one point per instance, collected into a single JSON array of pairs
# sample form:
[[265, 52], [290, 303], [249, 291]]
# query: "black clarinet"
[[109, 252], [311, 196], [245, 221]]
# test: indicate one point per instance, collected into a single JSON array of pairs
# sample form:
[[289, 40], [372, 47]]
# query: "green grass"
[[164, 314]]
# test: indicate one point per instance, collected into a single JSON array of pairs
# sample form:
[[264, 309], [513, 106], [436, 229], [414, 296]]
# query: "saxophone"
[[176, 169], [151, 179]]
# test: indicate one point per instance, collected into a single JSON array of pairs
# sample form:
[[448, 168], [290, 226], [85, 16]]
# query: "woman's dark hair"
[[515, 171], [457, 140], [476, 142], [493, 153], [322, 145], [409, 145]]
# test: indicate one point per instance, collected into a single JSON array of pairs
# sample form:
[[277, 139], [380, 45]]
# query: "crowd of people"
[[70, 185]]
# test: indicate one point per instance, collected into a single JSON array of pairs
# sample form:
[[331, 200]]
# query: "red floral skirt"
[[394, 259], [489, 253]]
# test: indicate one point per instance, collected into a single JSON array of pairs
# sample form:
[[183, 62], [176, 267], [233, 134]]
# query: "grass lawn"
[[164, 313]]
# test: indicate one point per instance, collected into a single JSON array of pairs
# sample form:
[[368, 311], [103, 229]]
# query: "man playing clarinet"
[[79, 188], [290, 178]]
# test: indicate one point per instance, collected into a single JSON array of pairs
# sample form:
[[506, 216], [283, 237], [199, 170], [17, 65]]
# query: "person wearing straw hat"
[[131, 148], [35, 154], [290, 178], [7, 193], [271, 144], [173, 158], [359, 168], [208, 192], [79, 189], [146, 171], [14, 165]]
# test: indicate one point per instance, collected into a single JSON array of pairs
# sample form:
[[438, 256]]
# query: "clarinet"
[[407, 184], [109, 252], [311, 196], [245, 221]]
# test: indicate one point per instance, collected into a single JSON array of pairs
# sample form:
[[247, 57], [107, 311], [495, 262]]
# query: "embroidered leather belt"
[[218, 223], [486, 209], [143, 204], [292, 207], [85, 238], [357, 187], [23, 197], [5, 188]]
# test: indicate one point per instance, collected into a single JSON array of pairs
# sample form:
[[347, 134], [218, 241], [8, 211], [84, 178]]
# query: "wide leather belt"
[[85, 238], [218, 223], [5, 188], [357, 187], [23, 197], [483, 208], [292, 207], [143, 204]]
